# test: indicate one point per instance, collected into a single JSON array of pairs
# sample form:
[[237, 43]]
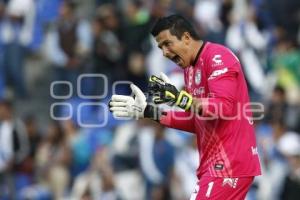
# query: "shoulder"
[[219, 60], [218, 51], [219, 56]]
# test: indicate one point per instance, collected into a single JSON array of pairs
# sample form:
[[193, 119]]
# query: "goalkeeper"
[[215, 107]]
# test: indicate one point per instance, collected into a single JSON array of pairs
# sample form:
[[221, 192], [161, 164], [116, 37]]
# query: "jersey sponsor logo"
[[198, 77], [217, 61], [219, 165], [217, 73], [199, 91], [231, 182]]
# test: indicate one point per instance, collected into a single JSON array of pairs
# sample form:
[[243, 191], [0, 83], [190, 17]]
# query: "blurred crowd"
[[57, 137]]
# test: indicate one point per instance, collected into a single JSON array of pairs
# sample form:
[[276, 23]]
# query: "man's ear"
[[186, 37]]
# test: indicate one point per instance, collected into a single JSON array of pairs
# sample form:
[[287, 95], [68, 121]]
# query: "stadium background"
[[89, 155]]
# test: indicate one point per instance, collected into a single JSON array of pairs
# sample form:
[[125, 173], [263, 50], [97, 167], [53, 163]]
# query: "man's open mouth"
[[176, 59]]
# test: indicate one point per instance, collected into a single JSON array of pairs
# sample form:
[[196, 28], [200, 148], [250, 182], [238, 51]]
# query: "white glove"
[[129, 106]]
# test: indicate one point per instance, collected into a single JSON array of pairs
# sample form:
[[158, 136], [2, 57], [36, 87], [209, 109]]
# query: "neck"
[[196, 45]]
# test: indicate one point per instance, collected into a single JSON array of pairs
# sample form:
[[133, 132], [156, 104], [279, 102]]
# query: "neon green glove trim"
[[184, 100]]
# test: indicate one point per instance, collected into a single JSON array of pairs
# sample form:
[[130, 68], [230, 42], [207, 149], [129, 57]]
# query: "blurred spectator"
[[273, 163], [206, 14], [6, 149], [16, 35], [157, 157], [126, 162], [137, 70], [159, 8], [289, 146], [185, 8], [285, 62], [285, 14], [46, 13], [68, 45], [25, 171], [249, 42], [107, 49], [81, 150], [277, 109], [98, 181], [101, 2], [225, 13], [14, 147], [53, 160], [186, 163], [34, 135], [48, 10], [137, 27], [2, 76]]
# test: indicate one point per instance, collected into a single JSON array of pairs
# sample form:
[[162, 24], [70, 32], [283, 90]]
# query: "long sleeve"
[[179, 120]]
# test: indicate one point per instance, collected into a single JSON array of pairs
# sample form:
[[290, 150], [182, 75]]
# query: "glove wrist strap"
[[184, 100], [152, 112]]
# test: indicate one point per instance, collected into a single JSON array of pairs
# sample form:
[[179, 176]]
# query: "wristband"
[[184, 100], [152, 112]]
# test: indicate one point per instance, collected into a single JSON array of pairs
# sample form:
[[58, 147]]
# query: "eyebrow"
[[162, 43]]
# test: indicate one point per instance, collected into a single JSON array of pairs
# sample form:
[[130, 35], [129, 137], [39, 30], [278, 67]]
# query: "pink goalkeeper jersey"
[[225, 133]]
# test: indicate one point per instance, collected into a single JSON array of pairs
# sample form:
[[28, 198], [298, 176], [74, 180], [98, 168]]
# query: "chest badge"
[[198, 77]]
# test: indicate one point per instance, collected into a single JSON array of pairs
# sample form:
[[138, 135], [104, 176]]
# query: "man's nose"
[[166, 52]]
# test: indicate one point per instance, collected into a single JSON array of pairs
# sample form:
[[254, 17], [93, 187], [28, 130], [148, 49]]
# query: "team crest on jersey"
[[198, 77]]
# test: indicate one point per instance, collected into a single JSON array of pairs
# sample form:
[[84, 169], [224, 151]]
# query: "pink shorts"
[[216, 188]]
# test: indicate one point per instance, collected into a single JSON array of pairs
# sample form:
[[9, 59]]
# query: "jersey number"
[[210, 185]]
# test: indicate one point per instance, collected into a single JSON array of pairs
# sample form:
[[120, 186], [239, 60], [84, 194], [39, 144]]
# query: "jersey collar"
[[198, 54]]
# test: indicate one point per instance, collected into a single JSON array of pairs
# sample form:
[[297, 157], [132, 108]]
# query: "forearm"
[[212, 107], [173, 119], [178, 120]]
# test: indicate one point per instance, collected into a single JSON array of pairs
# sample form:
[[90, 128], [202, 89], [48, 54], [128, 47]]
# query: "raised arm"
[[136, 107]]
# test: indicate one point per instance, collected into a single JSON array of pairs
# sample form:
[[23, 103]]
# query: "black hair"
[[176, 24]]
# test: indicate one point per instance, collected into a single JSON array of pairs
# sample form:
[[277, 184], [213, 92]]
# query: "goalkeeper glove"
[[164, 92], [133, 106]]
